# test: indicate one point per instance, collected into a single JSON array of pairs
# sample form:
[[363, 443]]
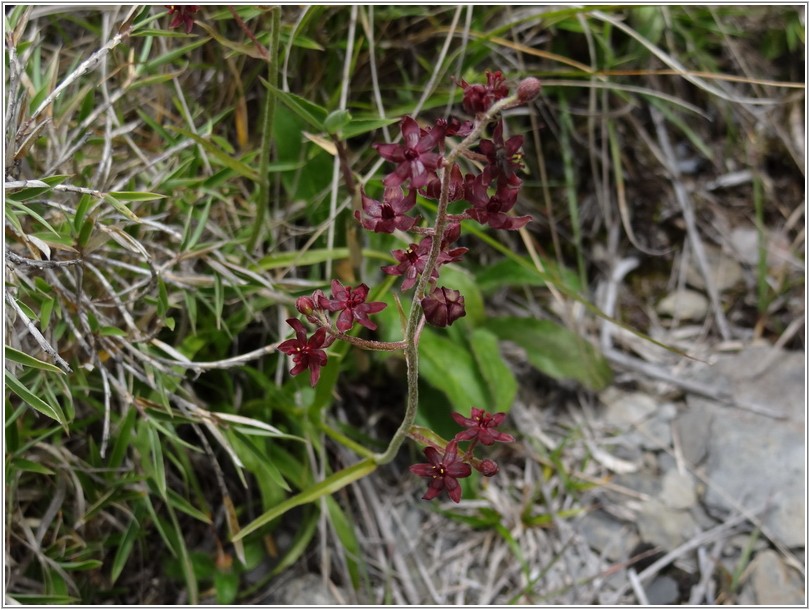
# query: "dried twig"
[[43, 343]]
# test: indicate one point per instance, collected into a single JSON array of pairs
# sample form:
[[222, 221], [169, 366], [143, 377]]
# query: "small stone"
[[662, 591], [663, 526], [692, 427], [678, 490], [773, 582], [607, 535], [684, 304], [626, 409], [724, 271]]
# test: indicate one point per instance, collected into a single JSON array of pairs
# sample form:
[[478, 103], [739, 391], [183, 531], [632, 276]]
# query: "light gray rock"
[[626, 409], [774, 583], [663, 526], [608, 536], [684, 304], [692, 426], [678, 490], [655, 434], [724, 271], [767, 378], [306, 590], [751, 459]]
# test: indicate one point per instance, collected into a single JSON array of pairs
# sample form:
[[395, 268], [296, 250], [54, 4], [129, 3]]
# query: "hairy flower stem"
[[411, 338]]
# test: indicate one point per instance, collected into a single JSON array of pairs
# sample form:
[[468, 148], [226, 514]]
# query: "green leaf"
[[311, 113], [222, 157], [336, 121], [451, 368], [498, 376], [358, 127], [299, 259], [328, 486], [554, 350], [121, 207], [87, 564], [124, 550], [348, 540], [29, 466], [226, 585], [52, 411], [520, 271], [19, 357], [183, 505], [135, 196]]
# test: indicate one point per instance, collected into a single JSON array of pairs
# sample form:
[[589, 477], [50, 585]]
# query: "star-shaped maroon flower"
[[443, 472], [478, 98], [351, 303], [414, 157], [389, 214], [306, 353], [481, 426], [504, 158], [182, 14], [492, 209]]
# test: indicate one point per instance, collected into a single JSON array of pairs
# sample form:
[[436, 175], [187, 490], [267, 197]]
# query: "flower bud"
[[488, 468], [528, 89], [443, 307], [305, 306]]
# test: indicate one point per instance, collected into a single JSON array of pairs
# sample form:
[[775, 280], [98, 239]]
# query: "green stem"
[[263, 197]]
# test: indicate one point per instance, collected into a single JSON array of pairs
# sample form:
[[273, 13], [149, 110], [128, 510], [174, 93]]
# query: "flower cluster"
[[308, 353], [445, 468], [421, 167], [425, 166]]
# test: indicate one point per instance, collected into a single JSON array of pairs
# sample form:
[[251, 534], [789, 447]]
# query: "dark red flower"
[[306, 353], [443, 307], [504, 158], [351, 303], [389, 214], [411, 262], [492, 210], [479, 98], [481, 425], [443, 470], [414, 157], [433, 189], [182, 14]]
